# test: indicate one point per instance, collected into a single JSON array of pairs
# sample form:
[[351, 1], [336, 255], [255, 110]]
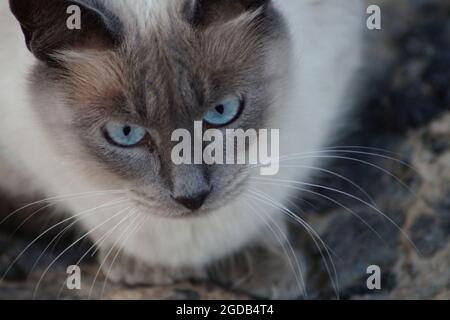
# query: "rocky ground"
[[407, 111]]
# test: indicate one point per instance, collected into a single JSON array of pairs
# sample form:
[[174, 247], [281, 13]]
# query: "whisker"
[[62, 198], [11, 236], [376, 155], [68, 248], [135, 229], [352, 212], [344, 150], [357, 186], [314, 236], [296, 206], [387, 172], [364, 148], [52, 228], [59, 235], [96, 245], [297, 270], [113, 247], [352, 197], [309, 203]]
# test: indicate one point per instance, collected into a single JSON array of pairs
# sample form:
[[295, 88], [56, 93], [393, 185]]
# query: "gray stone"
[[427, 235]]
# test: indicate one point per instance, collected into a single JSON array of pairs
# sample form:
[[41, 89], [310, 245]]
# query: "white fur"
[[327, 48]]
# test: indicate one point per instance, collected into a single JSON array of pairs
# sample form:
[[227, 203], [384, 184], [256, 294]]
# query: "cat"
[[87, 116]]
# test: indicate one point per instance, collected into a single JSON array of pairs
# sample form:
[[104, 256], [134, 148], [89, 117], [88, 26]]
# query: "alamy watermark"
[[374, 280], [374, 20], [228, 147], [73, 22], [73, 281]]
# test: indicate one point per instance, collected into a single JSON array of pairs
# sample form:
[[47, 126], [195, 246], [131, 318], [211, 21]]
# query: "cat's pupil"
[[127, 130], [220, 109]]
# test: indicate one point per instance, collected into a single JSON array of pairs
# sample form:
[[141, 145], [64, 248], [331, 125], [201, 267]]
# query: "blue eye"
[[224, 112], [124, 135]]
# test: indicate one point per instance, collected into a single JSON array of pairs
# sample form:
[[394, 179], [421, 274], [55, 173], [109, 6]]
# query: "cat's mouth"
[[169, 207], [170, 210]]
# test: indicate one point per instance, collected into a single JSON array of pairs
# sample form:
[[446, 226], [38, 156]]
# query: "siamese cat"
[[87, 116]]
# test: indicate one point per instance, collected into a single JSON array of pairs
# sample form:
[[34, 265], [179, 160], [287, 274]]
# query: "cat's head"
[[112, 92]]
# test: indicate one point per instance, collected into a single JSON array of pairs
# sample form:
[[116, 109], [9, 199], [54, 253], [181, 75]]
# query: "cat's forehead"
[[164, 63]]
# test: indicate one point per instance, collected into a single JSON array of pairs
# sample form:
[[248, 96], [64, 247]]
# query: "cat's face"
[[112, 94]]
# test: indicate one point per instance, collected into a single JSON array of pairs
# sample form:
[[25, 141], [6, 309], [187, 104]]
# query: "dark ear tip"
[[43, 23], [21, 10], [197, 12], [252, 4], [14, 6], [17, 6]]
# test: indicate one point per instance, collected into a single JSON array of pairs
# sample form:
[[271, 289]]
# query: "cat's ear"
[[201, 13], [51, 25]]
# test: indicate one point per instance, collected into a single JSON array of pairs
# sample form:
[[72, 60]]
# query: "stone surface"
[[401, 221], [415, 260]]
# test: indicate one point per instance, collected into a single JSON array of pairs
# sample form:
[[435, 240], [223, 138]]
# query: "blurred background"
[[397, 151]]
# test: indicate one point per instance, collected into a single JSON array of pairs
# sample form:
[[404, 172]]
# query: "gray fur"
[[166, 79]]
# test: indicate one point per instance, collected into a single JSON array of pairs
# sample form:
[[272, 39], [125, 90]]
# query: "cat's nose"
[[193, 202]]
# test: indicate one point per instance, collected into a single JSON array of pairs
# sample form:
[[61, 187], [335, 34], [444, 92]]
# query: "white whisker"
[[357, 186], [352, 197], [135, 229], [314, 236], [297, 269], [97, 244], [69, 247], [352, 212], [364, 148], [60, 234], [63, 198], [387, 172], [135, 216], [52, 228]]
